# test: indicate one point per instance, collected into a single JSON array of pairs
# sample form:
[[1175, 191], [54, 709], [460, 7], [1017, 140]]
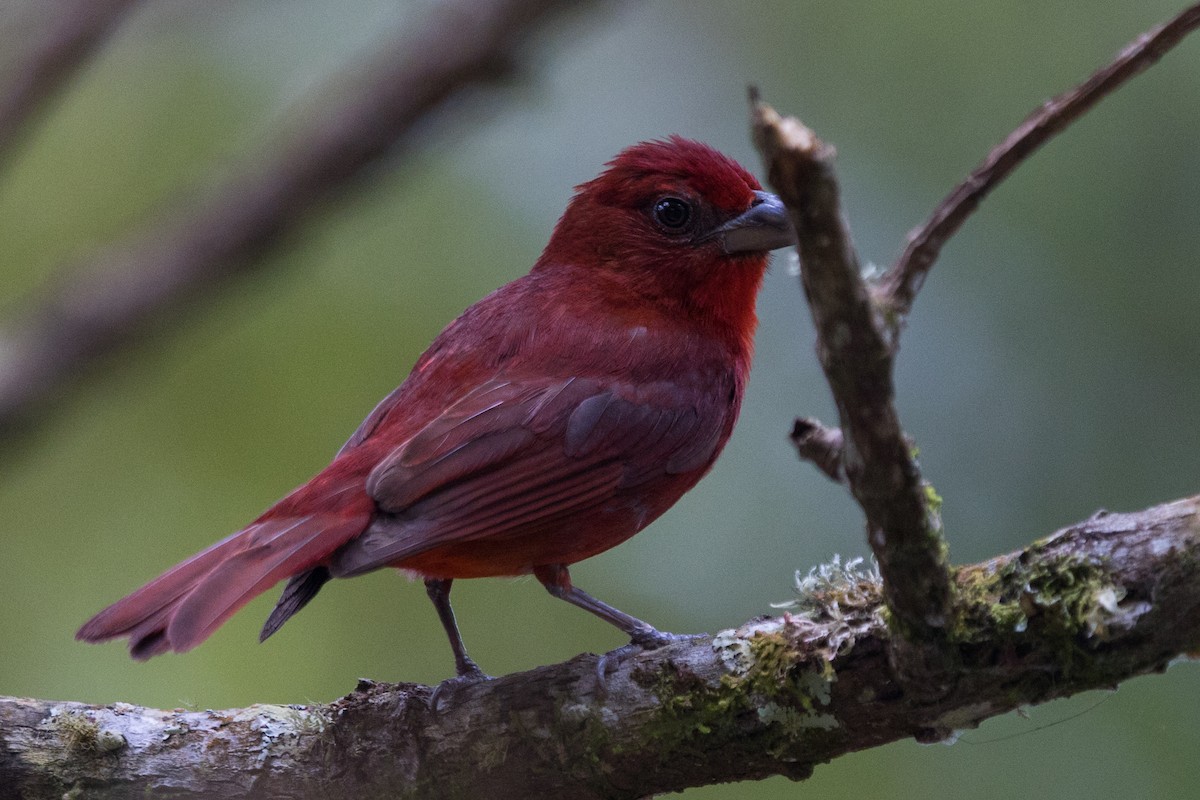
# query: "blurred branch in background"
[[94, 308], [62, 35]]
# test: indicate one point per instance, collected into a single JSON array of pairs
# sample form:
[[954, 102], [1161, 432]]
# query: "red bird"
[[554, 419]]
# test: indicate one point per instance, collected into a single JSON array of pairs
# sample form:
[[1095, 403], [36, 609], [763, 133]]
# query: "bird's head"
[[677, 223]]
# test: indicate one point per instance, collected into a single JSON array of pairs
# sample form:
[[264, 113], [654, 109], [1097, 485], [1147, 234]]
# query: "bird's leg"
[[438, 590], [557, 581]]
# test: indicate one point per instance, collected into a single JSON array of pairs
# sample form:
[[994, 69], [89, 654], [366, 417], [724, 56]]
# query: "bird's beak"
[[764, 226]]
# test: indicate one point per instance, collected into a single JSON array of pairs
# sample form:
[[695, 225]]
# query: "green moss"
[[933, 500], [688, 706], [768, 679], [581, 728], [1066, 607], [987, 605]]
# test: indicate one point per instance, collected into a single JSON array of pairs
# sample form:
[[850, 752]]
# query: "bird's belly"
[[562, 541]]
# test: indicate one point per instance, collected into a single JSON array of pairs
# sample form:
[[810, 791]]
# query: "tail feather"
[[183, 606], [250, 573], [157, 597], [299, 590]]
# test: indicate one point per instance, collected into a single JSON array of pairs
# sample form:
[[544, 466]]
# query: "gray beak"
[[764, 226]]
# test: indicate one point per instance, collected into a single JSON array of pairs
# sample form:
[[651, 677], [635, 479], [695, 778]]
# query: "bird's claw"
[[651, 639], [654, 639], [465, 679]]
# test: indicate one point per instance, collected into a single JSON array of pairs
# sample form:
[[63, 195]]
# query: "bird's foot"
[[653, 638], [470, 676], [650, 639]]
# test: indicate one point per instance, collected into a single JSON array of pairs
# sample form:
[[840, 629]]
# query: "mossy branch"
[[1115, 596]]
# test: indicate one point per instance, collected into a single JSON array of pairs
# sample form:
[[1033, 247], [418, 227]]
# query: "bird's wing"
[[513, 456], [374, 419]]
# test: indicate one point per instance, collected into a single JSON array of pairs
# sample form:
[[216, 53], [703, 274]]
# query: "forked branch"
[[903, 526], [858, 326]]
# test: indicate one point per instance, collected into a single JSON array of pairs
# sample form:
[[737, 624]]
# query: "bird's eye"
[[673, 213]]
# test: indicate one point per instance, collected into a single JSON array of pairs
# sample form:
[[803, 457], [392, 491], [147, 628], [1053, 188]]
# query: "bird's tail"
[[182, 607]]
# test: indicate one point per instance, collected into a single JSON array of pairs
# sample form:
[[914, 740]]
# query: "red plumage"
[[551, 421]]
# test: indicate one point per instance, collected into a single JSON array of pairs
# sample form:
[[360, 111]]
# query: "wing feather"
[[512, 456], [278, 549]]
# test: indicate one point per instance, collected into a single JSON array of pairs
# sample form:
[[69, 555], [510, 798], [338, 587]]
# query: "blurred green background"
[[1050, 368]]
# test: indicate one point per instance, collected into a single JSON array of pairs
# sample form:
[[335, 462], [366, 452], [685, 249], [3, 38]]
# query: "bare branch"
[[899, 287], [100, 306], [1102, 601], [67, 34], [903, 530]]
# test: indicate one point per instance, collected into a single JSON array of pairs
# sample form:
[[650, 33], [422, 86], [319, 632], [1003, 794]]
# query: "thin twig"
[[820, 446], [97, 307], [63, 36], [903, 529], [898, 288]]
